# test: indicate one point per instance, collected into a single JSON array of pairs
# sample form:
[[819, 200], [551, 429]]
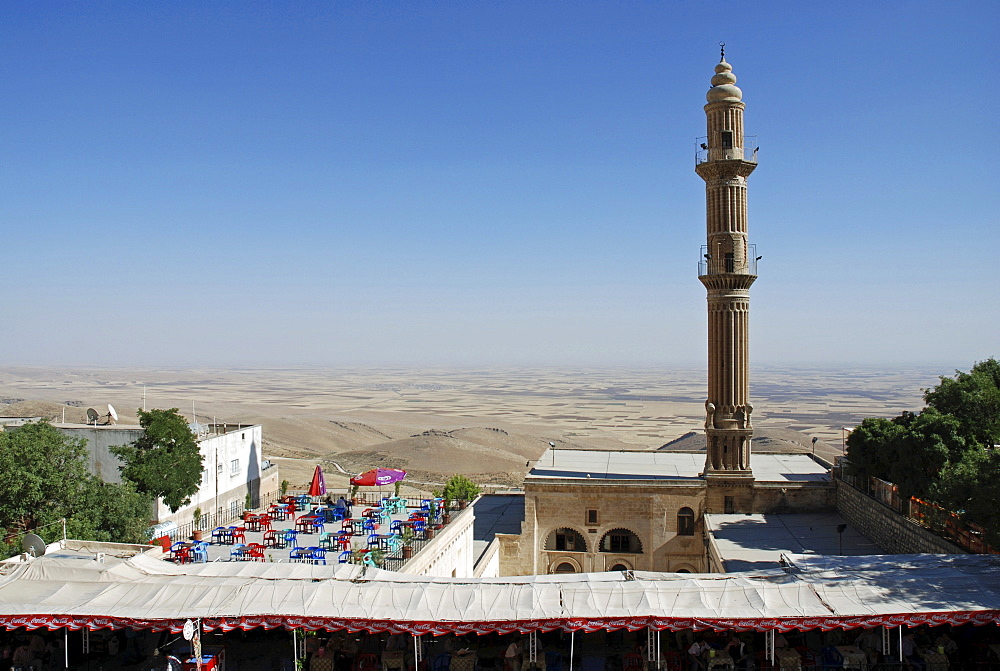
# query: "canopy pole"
[[770, 645], [418, 652], [295, 647], [572, 639], [66, 648], [901, 660], [659, 650]]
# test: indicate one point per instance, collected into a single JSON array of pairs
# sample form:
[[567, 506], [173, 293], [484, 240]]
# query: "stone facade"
[[645, 510], [894, 533]]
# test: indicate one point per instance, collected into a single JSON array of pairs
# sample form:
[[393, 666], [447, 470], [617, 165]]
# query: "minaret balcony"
[[728, 264], [721, 149]]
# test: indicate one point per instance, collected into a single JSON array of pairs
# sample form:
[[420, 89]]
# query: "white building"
[[232, 467]]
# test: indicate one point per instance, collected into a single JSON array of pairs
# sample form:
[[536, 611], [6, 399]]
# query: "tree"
[[973, 398], [460, 488], [945, 452], [165, 461], [46, 479]]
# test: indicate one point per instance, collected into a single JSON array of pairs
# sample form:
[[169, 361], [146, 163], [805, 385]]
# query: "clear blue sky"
[[480, 183]]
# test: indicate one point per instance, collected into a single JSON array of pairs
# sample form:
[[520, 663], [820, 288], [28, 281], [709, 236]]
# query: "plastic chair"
[[199, 553], [344, 542], [373, 541], [254, 551], [318, 527], [344, 557], [673, 660], [318, 555], [368, 560], [326, 540], [264, 523], [441, 662], [238, 534], [396, 526], [347, 525], [366, 662], [291, 538], [270, 538], [236, 554], [298, 554], [832, 659]]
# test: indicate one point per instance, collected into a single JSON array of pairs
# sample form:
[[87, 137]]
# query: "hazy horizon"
[[458, 184]]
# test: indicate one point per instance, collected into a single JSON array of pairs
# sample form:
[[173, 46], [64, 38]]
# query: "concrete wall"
[[450, 552], [488, 565], [892, 532], [103, 464]]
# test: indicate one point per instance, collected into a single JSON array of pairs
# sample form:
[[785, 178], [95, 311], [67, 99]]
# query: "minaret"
[[727, 268]]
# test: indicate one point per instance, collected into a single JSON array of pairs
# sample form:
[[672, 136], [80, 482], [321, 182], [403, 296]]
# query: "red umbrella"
[[317, 487], [378, 477]]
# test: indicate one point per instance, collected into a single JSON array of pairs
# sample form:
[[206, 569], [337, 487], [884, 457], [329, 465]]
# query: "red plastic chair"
[[271, 538], [239, 535]]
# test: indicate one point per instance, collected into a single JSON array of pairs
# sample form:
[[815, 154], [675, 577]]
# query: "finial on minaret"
[[722, 48]]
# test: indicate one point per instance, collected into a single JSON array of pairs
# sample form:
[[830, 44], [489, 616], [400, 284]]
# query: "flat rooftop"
[[657, 465], [495, 514], [755, 542]]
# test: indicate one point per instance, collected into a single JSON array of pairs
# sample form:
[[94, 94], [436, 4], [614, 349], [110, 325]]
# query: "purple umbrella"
[[378, 477]]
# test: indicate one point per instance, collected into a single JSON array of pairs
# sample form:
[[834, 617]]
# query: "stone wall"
[[894, 533]]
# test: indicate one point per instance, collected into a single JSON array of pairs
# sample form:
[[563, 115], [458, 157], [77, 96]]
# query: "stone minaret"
[[727, 268]]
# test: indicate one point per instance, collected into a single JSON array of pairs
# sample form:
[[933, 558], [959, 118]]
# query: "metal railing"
[[716, 149], [712, 265], [944, 523]]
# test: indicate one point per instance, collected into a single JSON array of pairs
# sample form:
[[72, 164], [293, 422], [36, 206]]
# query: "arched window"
[[619, 567], [566, 540], [565, 567], [685, 522], [621, 540], [682, 570]]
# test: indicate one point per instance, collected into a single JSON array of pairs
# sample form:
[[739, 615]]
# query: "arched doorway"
[[565, 567], [566, 540], [621, 540]]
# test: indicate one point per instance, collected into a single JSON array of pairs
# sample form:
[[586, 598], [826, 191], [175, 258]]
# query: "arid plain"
[[486, 423]]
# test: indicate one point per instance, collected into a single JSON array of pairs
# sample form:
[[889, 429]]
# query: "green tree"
[[165, 462], [971, 488], [973, 398], [460, 488], [46, 479]]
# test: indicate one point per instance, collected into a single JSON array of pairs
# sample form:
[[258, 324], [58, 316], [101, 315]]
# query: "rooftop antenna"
[[33, 545], [92, 416], [112, 414]]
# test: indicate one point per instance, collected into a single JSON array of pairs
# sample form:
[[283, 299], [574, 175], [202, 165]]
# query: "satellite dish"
[[92, 416], [33, 545], [112, 413], [188, 630]]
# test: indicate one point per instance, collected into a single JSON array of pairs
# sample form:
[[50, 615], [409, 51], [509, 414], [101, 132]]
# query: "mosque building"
[[588, 510]]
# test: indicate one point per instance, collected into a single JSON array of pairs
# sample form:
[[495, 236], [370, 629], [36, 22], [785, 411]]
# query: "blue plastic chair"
[[317, 555], [237, 552], [291, 537], [298, 554], [221, 535], [344, 557]]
